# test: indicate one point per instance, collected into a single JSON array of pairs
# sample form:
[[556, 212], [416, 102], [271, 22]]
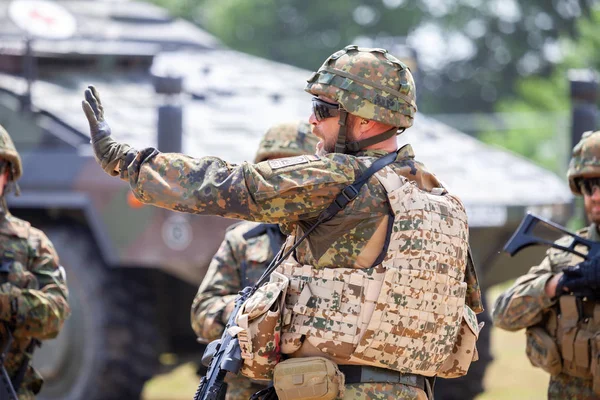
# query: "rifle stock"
[[524, 237]]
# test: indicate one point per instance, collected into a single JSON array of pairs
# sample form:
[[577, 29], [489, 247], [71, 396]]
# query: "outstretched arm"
[[280, 192]]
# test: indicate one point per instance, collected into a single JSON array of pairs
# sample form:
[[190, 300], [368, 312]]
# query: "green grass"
[[180, 384], [509, 377]]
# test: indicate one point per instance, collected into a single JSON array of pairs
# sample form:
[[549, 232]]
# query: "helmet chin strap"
[[340, 145], [344, 147]]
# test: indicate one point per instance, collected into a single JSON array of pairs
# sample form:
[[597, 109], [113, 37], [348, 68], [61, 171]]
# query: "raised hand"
[[94, 112], [109, 153]]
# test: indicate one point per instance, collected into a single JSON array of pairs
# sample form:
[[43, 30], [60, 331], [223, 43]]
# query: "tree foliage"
[[470, 51], [549, 96]]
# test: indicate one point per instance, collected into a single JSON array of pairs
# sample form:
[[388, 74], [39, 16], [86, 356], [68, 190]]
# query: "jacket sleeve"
[[39, 308], [254, 192], [524, 303], [214, 301]]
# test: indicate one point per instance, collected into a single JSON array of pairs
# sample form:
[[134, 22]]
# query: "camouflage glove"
[[108, 152], [582, 280]]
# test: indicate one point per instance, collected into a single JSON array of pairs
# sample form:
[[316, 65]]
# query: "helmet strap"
[[340, 145], [11, 185], [344, 147], [355, 147]]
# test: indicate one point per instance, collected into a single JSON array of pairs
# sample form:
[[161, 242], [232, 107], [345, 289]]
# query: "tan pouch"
[[542, 350], [309, 378], [573, 339], [259, 328], [465, 349]]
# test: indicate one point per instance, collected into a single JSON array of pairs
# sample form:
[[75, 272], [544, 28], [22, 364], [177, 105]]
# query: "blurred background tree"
[[547, 95], [470, 52], [475, 57]]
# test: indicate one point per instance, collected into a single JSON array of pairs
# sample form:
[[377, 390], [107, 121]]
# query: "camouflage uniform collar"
[[405, 151], [593, 234], [371, 153]]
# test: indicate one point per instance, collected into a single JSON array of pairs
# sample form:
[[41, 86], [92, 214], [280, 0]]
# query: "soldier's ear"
[[367, 125]]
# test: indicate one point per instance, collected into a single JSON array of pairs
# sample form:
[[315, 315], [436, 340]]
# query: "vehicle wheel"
[[108, 348]]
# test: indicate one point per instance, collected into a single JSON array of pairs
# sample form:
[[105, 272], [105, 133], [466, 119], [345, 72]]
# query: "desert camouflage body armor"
[[405, 312]]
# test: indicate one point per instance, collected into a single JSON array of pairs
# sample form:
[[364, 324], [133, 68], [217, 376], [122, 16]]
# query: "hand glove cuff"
[[109, 153]]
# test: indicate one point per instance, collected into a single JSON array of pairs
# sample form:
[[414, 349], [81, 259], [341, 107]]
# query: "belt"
[[363, 374]]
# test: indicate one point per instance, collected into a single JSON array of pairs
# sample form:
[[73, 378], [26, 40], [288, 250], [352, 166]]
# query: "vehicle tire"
[[108, 348]]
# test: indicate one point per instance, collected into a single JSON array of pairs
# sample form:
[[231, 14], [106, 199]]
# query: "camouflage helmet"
[[369, 83], [287, 140], [9, 153], [585, 160]]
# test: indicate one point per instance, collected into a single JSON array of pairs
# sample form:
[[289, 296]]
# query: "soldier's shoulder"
[[241, 227], [16, 227], [235, 233], [310, 166], [293, 161], [37, 235]]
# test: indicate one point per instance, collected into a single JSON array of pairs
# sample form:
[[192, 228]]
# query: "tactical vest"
[[568, 340], [403, 314]]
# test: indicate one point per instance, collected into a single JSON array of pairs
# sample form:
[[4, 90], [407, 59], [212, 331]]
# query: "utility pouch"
[[542, 350], [310, 378], [465, 349], [573, 338], [259, 328]]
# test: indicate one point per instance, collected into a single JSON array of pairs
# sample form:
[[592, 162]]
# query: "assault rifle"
[[524, 237], [225, 356], [7, 391]]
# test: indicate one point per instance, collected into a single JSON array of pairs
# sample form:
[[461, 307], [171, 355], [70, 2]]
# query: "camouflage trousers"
[[382, 391], [240, 388], [565, 387]]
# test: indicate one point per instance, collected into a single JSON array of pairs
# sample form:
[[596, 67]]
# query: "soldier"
[[557, 301], [33, 291], [246, 251], [378, 286]]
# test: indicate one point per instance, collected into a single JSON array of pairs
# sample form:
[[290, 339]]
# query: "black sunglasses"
[[587, 185], [323, 109]]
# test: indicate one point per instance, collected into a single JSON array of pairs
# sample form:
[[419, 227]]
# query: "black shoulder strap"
[[258, 230], [276, 239], [348, 194]]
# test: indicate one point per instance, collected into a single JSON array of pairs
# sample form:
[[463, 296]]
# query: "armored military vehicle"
[[134, 269]]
